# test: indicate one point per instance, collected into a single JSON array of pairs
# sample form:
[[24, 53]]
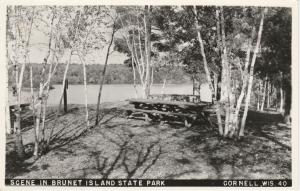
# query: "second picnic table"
[[154, 109]]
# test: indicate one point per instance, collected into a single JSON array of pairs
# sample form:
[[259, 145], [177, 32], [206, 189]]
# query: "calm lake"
[[112, 93]]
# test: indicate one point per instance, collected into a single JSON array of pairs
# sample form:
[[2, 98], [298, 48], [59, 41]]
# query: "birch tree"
[[230, 105], [136, 32], [90, 38], [250, 80], [40, 99], [19, 33], [207, 72], [108, 52], [72, 25]]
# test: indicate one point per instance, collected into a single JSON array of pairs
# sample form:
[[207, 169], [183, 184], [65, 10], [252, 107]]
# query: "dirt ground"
[[129, 148]]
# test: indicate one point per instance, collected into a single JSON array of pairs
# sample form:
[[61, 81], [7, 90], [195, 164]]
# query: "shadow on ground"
[[128, 148]]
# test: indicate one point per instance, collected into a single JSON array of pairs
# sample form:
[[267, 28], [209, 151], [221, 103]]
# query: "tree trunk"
[[164, 85], [269, 90], [19, 141], [37, 129], [243, 91], [66, 97], [208, 78], [219, 119], [193, 80], [46, 97], [216, 84], [134, 76], [275, 98], [141, 64], [86, 96], [281, 100], [225, 80], [287, 104], [40, 101], [17, 123], [61, 96], [82, 60], [48, 84], [264, 94], [147, 24], [7, 124], [32, 96], [250, 81], [103, 76], [152, 78]]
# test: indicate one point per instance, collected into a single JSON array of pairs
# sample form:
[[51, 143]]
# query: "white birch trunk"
[[82, 60], [225, 88], [264, 95], [19, 84], [147, 25], [281, 110], [32, 94], [8, 124], [134, 77], [268, 94], [61, 96], [250, 81], [208, 78], [244, 86], [163, 86], [41, 111], [140, 63]]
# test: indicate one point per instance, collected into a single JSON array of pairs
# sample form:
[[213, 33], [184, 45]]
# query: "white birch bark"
[[269, 89], [61, 96], [147, 25], [281, 110], [244, 85], [82, 60], [208, 78], [264, 95], [163, 86], [250, 81]]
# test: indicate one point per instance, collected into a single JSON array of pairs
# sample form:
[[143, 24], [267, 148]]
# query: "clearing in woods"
[[129, 148]]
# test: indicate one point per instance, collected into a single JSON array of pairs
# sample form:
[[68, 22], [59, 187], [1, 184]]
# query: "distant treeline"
[[115, 74]]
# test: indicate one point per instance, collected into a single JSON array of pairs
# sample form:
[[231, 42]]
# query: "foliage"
[[116, 74]]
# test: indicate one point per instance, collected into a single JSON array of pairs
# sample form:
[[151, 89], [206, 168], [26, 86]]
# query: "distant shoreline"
[[28, 89]]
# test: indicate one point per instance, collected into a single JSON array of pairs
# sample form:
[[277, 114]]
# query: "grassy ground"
[[128, 148]]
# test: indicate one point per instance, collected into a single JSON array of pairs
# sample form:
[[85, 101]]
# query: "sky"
[[38, 51]]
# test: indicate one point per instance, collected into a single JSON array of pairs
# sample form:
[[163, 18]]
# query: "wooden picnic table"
[[154, 109], [176, 97]]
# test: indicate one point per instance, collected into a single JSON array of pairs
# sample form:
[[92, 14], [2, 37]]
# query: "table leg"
[[128, 113], [148, 117], [187, 123], [161, 119]]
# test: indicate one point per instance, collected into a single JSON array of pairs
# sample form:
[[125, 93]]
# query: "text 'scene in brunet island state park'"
[[148, 96]]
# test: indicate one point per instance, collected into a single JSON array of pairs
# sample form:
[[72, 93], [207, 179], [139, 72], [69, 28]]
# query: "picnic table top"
[[21, 105], [174, 95], [157, 101]]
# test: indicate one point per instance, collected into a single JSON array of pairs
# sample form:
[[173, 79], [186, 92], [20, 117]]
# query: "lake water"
[[112, 93]]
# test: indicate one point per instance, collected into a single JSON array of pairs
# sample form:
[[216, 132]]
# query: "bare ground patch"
[[128, 148]]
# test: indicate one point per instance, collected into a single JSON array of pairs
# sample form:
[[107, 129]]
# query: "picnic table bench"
[[171, 111], [22, 106], [176, 97]]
